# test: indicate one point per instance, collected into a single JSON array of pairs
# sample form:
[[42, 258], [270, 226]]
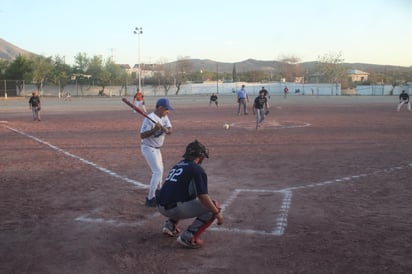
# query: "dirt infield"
[[323, 187]]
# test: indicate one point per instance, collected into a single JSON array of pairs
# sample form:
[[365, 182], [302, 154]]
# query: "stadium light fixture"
[[139, 31]]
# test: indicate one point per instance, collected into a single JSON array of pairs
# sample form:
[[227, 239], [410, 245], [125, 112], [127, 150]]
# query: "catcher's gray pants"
[[187, 210]]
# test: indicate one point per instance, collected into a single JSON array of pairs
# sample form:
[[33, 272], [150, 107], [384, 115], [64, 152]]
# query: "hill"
[[9, 51], [274, 66]]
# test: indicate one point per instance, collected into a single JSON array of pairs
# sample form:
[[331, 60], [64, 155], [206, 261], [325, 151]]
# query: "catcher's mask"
[[194, 150]]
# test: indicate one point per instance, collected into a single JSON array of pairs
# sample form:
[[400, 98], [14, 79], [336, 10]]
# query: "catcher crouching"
[[184, 195]]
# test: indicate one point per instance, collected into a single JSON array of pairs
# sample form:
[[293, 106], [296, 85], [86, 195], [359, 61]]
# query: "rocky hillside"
[[9, 51]]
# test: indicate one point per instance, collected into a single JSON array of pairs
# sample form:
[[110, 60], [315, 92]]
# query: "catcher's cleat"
[[198, 241], [189, 243], [170, 228], [171, 232]]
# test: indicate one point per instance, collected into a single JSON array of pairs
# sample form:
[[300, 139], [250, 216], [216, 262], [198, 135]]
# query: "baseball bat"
[[138, 110]]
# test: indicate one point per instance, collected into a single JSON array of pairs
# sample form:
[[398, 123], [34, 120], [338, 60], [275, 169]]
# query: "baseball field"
[[324, 186]]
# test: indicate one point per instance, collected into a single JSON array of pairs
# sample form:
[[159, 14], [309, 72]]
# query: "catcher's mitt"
[[266, 112]]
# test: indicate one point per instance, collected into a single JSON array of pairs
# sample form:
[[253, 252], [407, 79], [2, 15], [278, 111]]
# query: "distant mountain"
[[9, 51], [243, 66], [274, 66]]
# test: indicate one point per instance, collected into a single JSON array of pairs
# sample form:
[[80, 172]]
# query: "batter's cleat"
[[151, 203], [188, 243]]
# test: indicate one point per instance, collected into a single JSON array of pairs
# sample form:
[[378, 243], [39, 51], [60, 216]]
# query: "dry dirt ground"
[[323, 187]]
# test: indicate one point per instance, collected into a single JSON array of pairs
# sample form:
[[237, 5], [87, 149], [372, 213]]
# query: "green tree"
[[81, 63], [3, 67], [19, 69], [42, 70], [114, 74], [60, 74], [80, 67]]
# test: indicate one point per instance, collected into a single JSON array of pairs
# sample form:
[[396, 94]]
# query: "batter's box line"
[[87, 219], [281, 220]]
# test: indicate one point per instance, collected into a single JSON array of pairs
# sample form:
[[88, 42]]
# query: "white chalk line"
[[87, 219], [102, 169], [282, 218], [269, 125]]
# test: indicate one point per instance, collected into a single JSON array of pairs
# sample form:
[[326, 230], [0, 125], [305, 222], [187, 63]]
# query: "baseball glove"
[[266, 112], [38, 108]]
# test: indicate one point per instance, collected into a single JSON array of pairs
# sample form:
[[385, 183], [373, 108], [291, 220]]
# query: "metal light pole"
[[139, 31]]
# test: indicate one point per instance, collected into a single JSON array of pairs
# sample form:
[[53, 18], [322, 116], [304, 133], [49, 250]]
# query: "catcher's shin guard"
[[205, 225]]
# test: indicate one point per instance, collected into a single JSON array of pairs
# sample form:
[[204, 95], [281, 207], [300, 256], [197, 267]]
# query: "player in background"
[[285, 92], [242, 98], [213, 99], [267, 95], [184, 195], [138, 100], [260, 107], [35, 106], [68, 97], [404, 100], [152, 139]]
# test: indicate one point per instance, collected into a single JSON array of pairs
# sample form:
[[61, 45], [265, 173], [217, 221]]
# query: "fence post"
[[5, 89]]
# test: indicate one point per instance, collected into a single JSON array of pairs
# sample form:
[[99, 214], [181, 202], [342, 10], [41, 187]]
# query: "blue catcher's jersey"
[[185, 181]]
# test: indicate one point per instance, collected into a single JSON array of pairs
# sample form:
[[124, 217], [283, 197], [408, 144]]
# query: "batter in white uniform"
[[153, 136]]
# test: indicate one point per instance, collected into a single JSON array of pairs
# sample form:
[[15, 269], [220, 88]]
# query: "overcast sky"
[[368, 31]]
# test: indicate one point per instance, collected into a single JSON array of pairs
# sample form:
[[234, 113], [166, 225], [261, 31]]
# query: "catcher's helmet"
[[194, 150]]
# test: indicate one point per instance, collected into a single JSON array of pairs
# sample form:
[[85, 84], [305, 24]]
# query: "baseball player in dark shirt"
[[35, 106], [260, 108], [213, 99], [265, 91], [404, 100], [184, 195]]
